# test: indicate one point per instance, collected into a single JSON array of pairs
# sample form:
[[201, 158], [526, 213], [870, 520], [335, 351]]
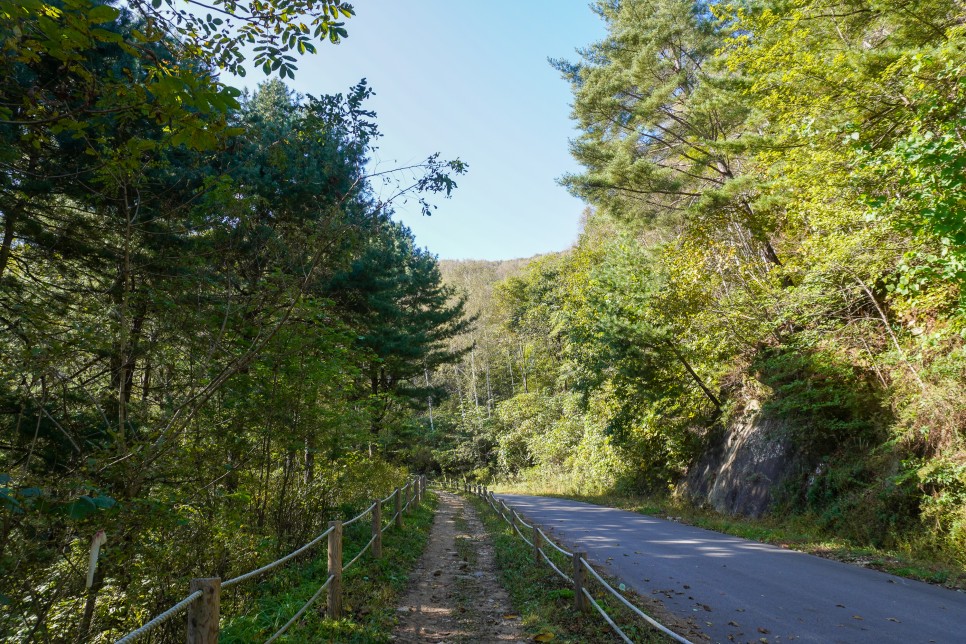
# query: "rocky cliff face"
[[744, 466]]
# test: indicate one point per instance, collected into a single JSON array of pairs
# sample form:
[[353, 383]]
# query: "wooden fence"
[[203, 603], [581, 570]]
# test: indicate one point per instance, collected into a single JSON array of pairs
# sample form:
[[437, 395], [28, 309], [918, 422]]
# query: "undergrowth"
[[371, 589], [545, 601]]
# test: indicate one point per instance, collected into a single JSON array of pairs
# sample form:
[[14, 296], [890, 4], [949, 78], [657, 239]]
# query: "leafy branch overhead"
[[219, 30]]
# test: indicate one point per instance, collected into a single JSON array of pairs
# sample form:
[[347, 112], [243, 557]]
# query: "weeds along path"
[[454, 595]]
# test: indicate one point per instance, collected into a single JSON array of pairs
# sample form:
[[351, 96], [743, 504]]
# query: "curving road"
[[744, 591]]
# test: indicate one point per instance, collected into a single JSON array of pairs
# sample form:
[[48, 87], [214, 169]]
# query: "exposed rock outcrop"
[[744, 466]]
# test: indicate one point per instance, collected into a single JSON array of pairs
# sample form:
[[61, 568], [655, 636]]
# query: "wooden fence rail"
[[581, 568], [203, 604]]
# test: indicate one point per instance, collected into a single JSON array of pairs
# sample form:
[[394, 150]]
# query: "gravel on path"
[[454, 595]]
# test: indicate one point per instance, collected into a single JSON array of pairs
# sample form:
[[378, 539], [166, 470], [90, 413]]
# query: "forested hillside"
[[776, 242], [210, 322]]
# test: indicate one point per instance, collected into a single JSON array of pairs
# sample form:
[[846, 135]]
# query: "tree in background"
[[406, 316]]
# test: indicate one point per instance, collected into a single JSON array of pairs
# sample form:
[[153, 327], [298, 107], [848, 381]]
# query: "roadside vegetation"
[[545, 602], [774, 243], [371, 590]]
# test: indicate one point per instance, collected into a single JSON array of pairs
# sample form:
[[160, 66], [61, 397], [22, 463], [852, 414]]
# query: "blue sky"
[[469, 79]]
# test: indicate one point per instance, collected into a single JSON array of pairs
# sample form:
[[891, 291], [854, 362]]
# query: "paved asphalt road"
[[733, 587]]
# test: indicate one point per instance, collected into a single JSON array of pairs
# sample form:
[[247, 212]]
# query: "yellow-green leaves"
[[101, 14]]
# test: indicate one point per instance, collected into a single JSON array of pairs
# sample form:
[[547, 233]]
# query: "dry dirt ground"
[[454, 595]]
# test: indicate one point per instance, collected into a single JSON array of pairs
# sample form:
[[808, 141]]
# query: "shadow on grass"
[[371, 589]]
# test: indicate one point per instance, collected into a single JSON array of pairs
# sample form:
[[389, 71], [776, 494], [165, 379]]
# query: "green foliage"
[[776, 231], [372, 590], [176, 367], [824, 406]]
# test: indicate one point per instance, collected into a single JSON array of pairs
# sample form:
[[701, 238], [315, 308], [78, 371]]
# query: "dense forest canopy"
[[776, 232], [210, 322]]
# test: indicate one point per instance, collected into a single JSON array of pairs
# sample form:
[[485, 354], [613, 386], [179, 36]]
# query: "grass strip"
[[545, 603], [371, 589]]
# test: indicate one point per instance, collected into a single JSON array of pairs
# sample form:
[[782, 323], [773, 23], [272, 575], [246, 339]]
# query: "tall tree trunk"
[[308, 464], [707, 392], [89, 603], [8, 221], [760, 236], [476, 395], [892, 335], [459, 391], [429, 400], [523, 369], [489, 390], [509, 362], [10, 217], [374, 424]]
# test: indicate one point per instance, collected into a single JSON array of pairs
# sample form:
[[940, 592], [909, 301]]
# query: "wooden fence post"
[[377, 529], [203, 615], [513, 518], [419, 490], [580, 602], [399, 519], [334, 608], [536, 543]]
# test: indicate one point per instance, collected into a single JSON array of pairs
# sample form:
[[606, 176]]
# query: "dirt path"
[[454, 595]]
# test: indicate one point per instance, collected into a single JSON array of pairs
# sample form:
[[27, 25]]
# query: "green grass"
[[543, 599], [372, 589], [796, 532]]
